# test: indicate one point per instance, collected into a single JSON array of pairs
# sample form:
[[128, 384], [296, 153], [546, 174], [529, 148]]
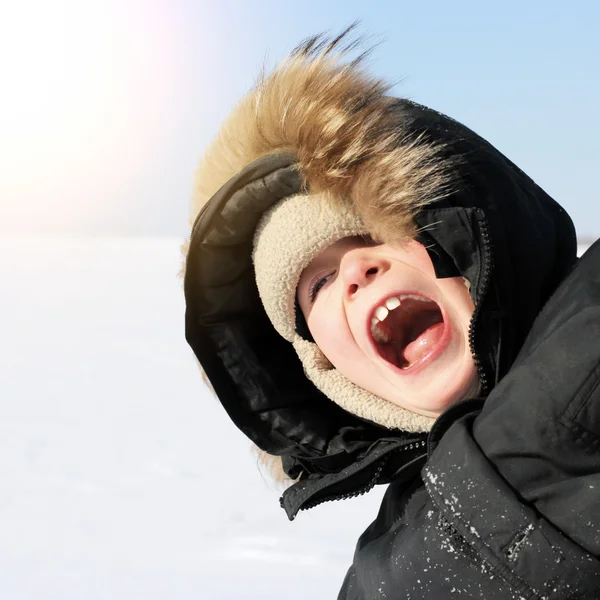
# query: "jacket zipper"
[[485, 281], [372, 482], [487, 266]]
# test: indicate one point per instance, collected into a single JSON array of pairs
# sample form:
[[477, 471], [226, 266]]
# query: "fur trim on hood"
[[345, 131]]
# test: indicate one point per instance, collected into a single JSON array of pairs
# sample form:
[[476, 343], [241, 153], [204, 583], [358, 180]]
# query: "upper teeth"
[[382, 311], [392, 303]]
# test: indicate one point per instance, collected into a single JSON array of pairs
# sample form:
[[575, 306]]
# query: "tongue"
[[418, 348]]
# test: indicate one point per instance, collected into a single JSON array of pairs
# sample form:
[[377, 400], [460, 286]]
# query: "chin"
[[469, 389], [439, 399]]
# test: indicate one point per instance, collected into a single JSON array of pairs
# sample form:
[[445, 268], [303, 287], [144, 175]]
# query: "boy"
[[364, 283]]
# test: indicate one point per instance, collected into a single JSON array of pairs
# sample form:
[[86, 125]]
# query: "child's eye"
[[317, 285]]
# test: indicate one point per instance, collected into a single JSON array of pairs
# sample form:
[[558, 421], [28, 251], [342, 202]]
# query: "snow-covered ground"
[[120, 475]]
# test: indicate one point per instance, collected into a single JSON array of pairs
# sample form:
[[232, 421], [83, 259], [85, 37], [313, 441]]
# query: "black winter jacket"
[[508, 502], [500, 500]]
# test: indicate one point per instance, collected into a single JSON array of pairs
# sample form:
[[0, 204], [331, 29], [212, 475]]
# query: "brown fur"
[[338, 120]]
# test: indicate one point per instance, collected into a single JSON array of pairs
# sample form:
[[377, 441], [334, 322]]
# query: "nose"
[[358, 268]]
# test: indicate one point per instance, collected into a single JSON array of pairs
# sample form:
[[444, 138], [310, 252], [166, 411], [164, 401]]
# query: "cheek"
[[458, 296], [323, 330], [330, 333], [461, 292]]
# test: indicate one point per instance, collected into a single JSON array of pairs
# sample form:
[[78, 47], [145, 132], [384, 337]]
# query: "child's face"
[[417, 355]]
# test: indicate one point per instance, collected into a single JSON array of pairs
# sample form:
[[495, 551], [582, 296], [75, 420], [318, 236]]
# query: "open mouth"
[[406, 329]]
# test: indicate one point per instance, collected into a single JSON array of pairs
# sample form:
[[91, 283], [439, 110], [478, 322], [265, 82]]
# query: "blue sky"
[[148, 84]]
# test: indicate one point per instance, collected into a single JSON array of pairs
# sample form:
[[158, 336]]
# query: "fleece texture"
[[288, 237]]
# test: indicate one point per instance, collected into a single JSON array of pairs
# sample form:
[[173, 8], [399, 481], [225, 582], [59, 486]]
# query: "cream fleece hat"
[[288, 237]]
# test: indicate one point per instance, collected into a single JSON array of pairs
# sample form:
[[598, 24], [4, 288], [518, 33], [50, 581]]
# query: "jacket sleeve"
[[466, 533], [481, 516], [540, 427]]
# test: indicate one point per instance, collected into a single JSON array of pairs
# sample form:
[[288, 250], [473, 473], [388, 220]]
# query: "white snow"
[[121, 477]]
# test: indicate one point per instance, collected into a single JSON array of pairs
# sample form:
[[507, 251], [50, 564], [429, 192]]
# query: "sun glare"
[[79, 79]]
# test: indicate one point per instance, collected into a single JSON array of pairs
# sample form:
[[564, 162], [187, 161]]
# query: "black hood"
[[499, 229]]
